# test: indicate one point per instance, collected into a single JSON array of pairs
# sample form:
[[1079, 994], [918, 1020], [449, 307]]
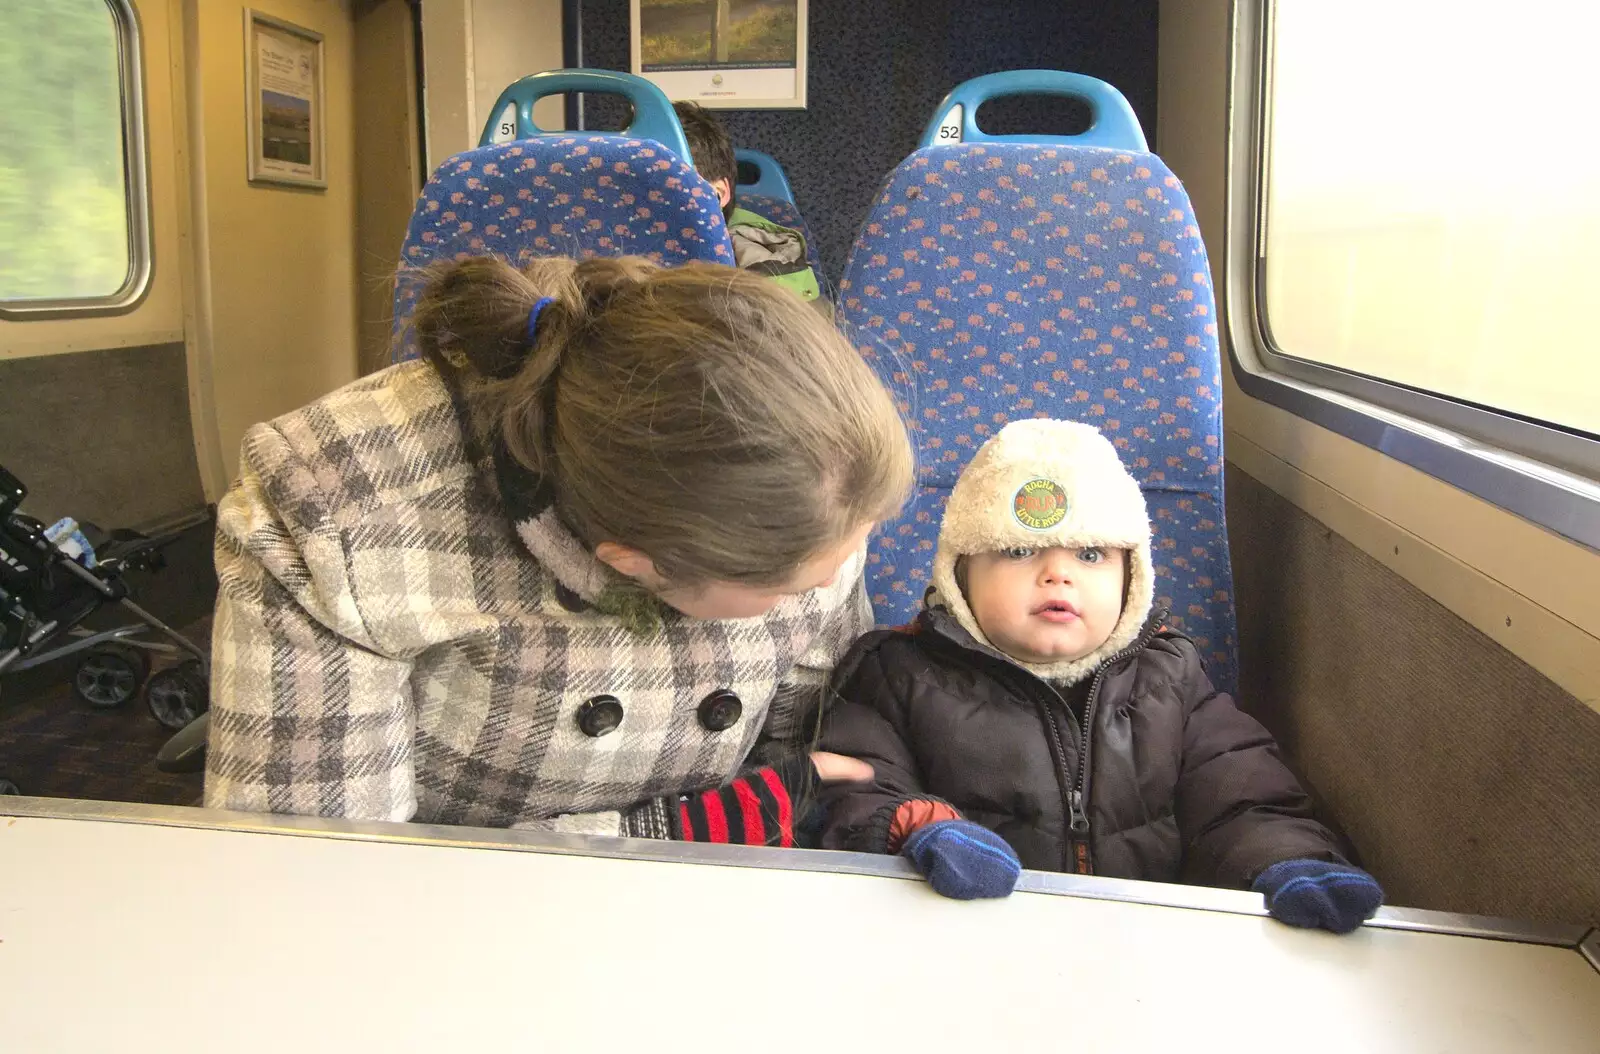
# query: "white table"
[[135, 928]]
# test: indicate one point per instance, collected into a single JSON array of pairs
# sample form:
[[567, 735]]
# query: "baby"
[[1037, 714]]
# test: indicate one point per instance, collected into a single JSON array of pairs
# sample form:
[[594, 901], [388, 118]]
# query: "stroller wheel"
[[109, 675], [7, 787], [178, 695]]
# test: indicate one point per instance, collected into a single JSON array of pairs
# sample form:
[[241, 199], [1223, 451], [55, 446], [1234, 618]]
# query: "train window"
[[1403, 239], [1413, 212], [72, 188]]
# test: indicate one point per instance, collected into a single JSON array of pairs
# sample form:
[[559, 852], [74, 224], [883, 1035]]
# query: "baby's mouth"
[[1057, 611]]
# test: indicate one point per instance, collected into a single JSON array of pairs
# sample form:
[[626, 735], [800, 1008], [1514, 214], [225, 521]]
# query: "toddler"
[[1037, 713]]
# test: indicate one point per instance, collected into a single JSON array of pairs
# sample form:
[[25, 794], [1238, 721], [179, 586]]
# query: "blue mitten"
[[1314, 894], [962, 860]]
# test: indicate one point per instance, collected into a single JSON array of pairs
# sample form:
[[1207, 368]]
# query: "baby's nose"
[[1057, 565]]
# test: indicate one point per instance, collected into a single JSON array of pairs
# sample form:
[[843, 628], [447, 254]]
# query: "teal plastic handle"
[[770, 179], [653, 117], [1112, 121]]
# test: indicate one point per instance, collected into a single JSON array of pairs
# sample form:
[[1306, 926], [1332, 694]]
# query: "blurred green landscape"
[[63, 210]]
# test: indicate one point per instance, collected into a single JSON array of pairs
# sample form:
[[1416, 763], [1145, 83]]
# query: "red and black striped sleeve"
[[757, 808]]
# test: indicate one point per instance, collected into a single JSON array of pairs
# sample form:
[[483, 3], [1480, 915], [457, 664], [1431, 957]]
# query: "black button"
[[720, 710], [600, 716]]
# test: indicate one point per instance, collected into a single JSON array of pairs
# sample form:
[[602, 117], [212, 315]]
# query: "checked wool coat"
[[403, 632]]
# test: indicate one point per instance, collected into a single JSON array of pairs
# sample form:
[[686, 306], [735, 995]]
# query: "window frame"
[[1545, 474], [135, 165]]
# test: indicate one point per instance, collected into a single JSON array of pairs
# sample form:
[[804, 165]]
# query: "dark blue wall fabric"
[[878, 68]]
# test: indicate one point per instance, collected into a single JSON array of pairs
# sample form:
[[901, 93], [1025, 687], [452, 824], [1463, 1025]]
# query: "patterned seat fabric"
[[784, 213], [1008, 280], [559, 195]]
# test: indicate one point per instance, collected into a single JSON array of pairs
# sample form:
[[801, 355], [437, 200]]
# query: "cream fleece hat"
[[1037, 484]]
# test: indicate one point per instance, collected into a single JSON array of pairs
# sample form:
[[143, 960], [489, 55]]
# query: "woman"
[[576, 571]]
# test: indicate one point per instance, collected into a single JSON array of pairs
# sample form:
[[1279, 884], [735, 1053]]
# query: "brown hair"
[[710, 148], [699, 414]]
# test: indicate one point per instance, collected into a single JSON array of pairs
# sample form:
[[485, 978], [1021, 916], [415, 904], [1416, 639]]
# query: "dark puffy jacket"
[[1179, 786]]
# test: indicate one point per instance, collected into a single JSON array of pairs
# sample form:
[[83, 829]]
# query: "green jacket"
[[776, 251]]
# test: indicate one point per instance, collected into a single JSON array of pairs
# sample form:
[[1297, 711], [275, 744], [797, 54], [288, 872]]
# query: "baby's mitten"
[[1314, 894], [962, 860]]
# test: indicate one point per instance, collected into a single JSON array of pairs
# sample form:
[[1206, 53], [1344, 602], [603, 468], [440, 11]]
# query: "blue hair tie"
[[533, 315]]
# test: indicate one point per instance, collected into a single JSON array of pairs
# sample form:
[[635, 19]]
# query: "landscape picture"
[[678, 34], [285, 128]]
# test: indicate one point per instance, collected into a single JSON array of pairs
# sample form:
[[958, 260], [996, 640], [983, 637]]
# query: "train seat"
[[1007, 277], [764, 189], [578, 194]]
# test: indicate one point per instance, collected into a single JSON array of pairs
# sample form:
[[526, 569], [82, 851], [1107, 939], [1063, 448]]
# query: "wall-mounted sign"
[[283, 103], [732, 54]]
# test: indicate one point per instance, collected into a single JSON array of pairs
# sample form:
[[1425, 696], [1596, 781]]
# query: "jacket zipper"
[[1076, 855], [1071, 805], [1080, 859]]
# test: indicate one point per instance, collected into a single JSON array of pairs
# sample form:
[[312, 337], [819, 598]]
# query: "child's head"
[[711, 148], [1046, 605], [703, 431], [1044, 553]]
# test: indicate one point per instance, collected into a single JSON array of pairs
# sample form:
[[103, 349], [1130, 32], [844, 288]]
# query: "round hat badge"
[[1040, 504]]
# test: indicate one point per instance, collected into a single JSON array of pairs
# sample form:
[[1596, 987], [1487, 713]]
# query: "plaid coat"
[[403, 633]]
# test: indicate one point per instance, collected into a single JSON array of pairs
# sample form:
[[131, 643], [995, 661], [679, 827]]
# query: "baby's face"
[[1047, 605]]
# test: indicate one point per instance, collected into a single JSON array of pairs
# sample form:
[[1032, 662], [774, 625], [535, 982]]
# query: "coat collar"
[[529, 503]]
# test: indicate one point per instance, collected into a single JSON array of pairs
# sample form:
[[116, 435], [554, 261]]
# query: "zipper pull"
[[1078, 819]]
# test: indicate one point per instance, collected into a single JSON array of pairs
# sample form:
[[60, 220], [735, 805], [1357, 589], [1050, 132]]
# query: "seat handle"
[[1112, 121], [511, 117], [770, 179]]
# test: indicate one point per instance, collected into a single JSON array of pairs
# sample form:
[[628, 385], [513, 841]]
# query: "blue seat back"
[[997, 281], [577, 195]]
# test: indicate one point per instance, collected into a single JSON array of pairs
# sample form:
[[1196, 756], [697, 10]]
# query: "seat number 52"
[[950, 127]]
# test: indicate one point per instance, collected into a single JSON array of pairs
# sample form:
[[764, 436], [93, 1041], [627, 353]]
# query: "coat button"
[[720, 710], [600, 716]]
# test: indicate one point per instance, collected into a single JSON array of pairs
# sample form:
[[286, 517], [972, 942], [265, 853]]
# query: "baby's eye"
[[1018, 553], [1092, 555]]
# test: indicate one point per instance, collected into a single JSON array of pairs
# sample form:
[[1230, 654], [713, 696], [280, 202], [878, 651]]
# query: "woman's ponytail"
[[502, 333], [578, 293], [471, 316]]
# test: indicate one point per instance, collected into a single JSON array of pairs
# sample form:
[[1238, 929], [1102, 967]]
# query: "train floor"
[[55, 745]]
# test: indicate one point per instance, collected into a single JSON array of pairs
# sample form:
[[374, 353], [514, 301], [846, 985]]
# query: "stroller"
[[50, 586]]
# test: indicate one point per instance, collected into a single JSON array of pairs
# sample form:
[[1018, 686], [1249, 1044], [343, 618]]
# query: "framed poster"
[[283, 103], [728, 54]]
